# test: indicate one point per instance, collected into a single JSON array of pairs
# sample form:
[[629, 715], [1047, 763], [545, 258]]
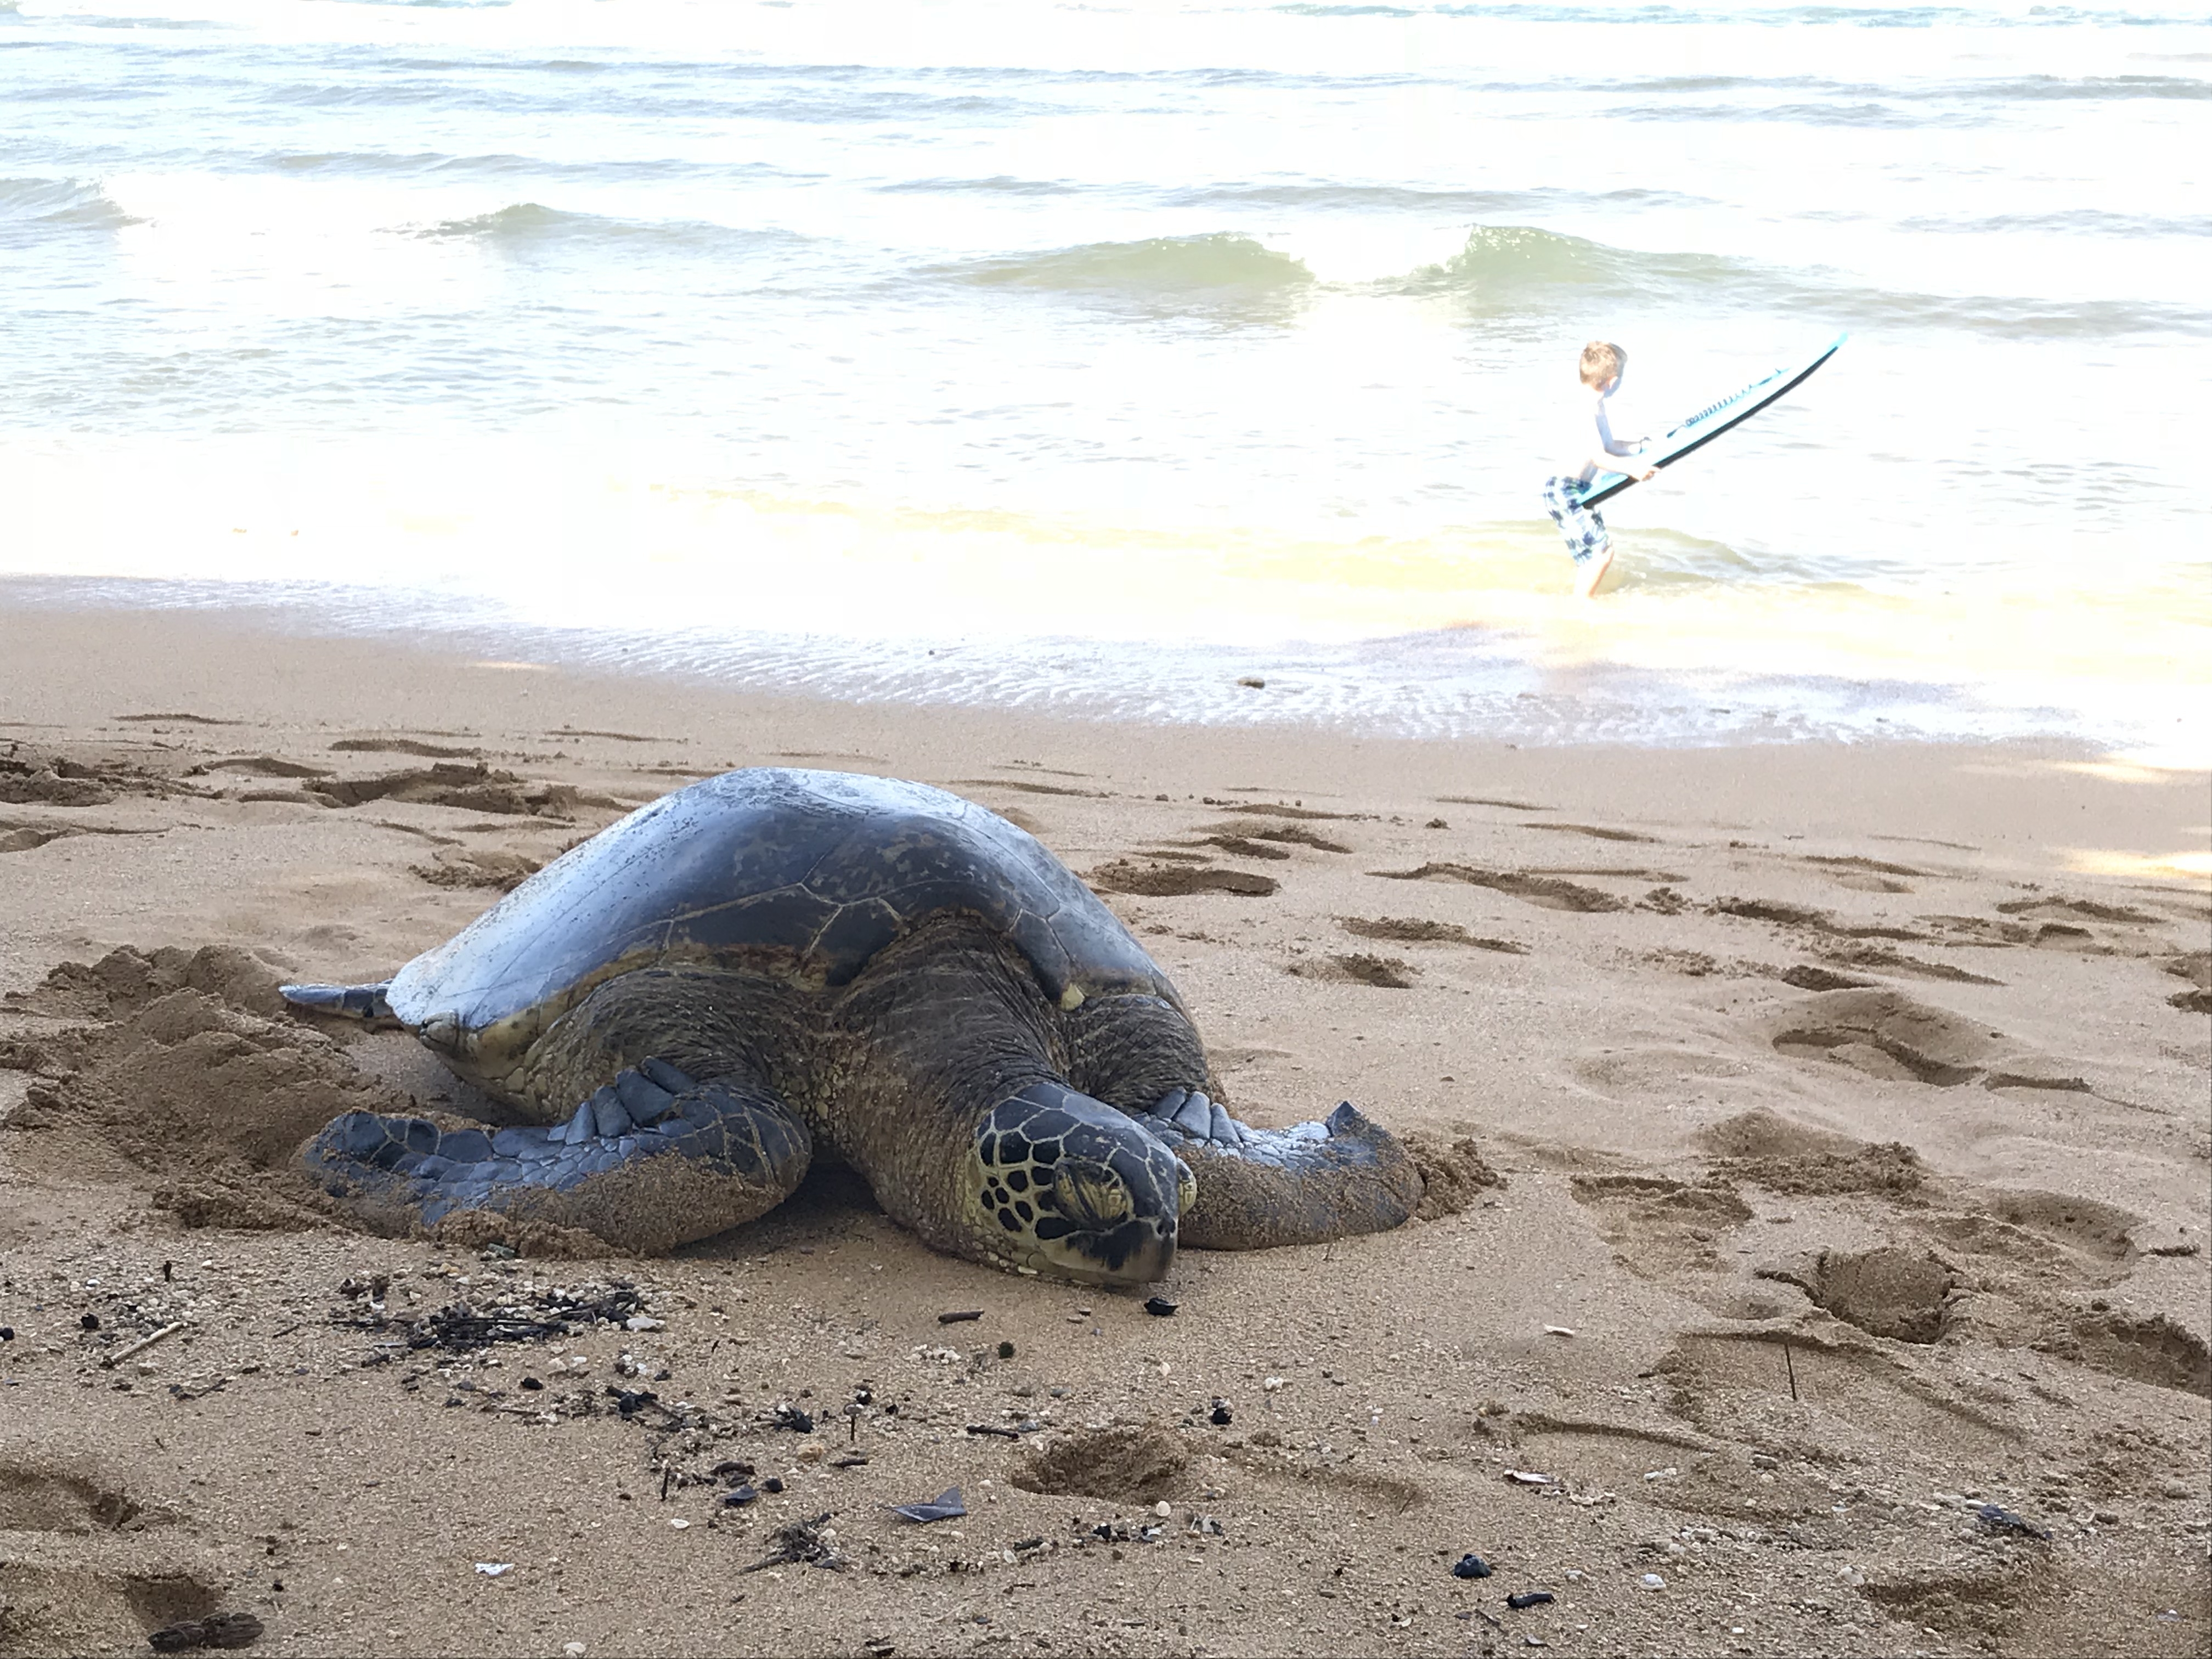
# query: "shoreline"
[[1564, 674], [1879, 1051]]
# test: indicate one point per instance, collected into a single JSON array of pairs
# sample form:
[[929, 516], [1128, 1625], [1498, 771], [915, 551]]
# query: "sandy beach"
[[1839, 1136]]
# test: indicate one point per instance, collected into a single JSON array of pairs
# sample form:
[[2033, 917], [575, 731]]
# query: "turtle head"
[[1059, 1183]]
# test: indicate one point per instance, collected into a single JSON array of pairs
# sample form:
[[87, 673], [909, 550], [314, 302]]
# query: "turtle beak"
[[1135, 1253]]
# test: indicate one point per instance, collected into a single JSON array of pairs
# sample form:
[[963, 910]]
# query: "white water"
[[1110, 353]]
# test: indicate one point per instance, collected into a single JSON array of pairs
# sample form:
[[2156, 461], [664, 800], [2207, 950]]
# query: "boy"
[[1588, 541]]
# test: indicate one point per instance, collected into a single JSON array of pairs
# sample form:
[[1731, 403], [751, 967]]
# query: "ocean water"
[[1099, 356]]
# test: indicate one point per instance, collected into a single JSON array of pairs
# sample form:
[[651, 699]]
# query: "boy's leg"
[[1589, 573], [1588, 543]]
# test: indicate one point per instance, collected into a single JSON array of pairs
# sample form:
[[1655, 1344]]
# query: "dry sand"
[[1851, 1105]]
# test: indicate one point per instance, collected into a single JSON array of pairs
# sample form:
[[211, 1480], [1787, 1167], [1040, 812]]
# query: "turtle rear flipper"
[[353, 1001], [1303, 1185], [651, 1161]]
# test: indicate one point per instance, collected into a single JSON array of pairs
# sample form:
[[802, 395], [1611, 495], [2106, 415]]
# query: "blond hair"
[[1601, 361]]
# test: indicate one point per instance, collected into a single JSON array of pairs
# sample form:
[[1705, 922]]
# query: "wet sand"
[[1849, 1105]]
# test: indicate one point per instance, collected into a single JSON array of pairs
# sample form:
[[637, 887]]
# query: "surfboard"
[[1708, 422]]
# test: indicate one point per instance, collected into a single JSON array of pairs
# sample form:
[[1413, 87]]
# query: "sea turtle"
[[775, 964]]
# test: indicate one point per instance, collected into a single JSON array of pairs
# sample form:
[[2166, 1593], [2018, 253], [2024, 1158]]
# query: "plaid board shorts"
[[1585, 530]]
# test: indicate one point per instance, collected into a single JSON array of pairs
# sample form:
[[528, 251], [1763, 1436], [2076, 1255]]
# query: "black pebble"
[[1160, 1308], [7, 1332], [772, 1484], [1528, 1599], [532, 1384], [740, 1498], [88, 1321], [1219, 1415], [1470, 1566], [276, 1584], [1005, 1351]]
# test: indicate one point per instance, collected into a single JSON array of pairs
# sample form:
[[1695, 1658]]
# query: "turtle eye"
[[1091, 1195]]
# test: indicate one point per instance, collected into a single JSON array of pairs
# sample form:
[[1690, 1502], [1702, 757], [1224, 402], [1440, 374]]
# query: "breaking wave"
[[59, 202], [522, 225], [1160, 264]]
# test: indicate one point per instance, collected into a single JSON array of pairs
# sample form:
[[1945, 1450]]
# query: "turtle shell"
[[814, 872]]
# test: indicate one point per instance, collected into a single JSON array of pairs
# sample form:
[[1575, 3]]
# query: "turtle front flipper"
[[352, 1001], [651, 1161], [1303, 1185]]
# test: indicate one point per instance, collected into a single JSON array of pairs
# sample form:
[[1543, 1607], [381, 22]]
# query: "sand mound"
[[1764, 1149], [126, 979], [185, 1083], [1453, 1174]]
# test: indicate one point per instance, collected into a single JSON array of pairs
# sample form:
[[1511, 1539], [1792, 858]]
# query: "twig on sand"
[[140, 1345]]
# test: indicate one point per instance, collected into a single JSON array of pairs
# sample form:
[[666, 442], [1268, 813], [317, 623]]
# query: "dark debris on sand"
[[532, 1316]]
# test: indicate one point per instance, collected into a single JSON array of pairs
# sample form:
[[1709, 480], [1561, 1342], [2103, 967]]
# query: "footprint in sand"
[[1687, 1474], [1864, 875], [843, 757], [1961, 1261], [89, 1580], [1277, 810], [2153, 1350], [1803, 1398], [265, 766], [1389, 973], [491, 868], [1549, 891], [1848, 943], [1177, 881], [31, 778], [27, 835], [402, 746], [1597, 832], [1902, 1294], [1487, 800], [1027, 786], [2196, 967], [1886, 1035], [1415, 930], [1663, 1229], [1121, 1464], [471, 787], [1291, 835], [1241, 847], [2093, 929], [1150, 1464]]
